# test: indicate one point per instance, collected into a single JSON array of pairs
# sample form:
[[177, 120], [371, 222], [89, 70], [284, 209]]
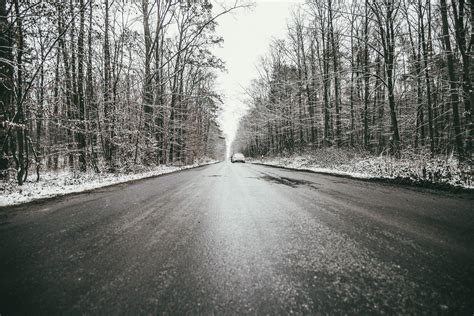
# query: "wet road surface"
[[240, 239]]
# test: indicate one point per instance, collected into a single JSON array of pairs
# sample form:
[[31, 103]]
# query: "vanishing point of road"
[[240, 239]]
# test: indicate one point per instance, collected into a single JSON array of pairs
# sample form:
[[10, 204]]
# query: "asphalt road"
[[240, 239]]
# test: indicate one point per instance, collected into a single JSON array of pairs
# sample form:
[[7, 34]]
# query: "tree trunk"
[[335, 52], [81, 136], [6, 84], [19, 116], [466, 54], [108, 141], [424, 46], [366, 76], [452, 81]]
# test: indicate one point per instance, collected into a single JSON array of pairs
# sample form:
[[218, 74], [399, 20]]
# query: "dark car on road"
[[238, 157]]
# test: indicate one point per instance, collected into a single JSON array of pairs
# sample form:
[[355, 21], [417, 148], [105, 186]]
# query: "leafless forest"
[[387, 77], [107, 85], [114, 85]]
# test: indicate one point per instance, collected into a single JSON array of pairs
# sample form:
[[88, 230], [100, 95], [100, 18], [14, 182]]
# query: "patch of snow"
[[416, 167], [64, 182]]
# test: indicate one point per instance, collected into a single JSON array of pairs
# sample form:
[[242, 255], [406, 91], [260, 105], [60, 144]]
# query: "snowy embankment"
[[411, 168], [53, 184]]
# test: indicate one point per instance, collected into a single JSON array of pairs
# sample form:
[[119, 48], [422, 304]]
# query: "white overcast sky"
[[247, 35]]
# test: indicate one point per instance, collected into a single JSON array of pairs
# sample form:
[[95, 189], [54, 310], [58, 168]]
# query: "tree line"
[[383, 76], [107, 85]]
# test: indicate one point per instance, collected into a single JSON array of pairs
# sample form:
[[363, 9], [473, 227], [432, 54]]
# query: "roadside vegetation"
[[108, 86], [372, 87]]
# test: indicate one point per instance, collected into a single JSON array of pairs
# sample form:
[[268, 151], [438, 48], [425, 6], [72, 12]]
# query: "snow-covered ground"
[[419, 168], [63, 182]]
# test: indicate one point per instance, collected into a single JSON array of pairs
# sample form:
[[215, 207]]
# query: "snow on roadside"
[[415, 169], [301, 163], [64, 182]]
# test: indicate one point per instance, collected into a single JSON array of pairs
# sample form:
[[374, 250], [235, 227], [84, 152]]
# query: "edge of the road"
[[4, 209], [406, 182]]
